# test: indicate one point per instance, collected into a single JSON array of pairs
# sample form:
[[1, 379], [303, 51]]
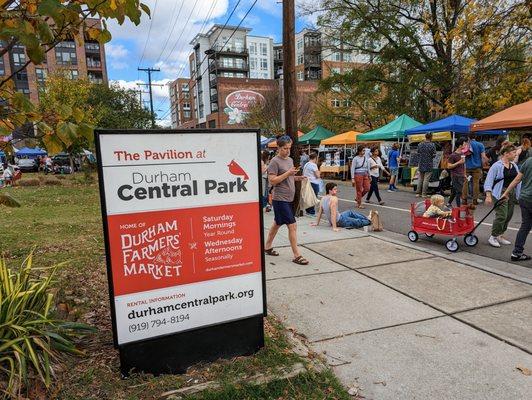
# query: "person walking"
[[281, 175], [265, 159], [426, 151], [311, 171], [500, 176], [456, 163], [523, 152], [474, 163], [329, 206], [360, 175], [375, 168], [393, 163], [523, 178], [303, 158]]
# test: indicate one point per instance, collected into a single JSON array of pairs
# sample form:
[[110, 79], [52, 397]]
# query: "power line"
[[183, 30], [149, 71], [149, 33], [173, 27]]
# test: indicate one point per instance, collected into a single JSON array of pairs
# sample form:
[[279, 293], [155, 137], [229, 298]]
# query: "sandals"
[[271, 252], [300, 260]]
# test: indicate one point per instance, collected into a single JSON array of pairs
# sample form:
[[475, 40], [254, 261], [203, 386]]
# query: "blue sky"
[[163, 42]]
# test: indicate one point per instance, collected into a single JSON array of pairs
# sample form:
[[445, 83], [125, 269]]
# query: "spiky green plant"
[[31, 340]]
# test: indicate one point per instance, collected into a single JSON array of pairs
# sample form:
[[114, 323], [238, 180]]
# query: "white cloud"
[[173, 25], [116, 51]]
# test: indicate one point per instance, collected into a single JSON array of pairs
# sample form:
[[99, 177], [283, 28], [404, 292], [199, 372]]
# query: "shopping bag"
[[308, 198], [376, 223]]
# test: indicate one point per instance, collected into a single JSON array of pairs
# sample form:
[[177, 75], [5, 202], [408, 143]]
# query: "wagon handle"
[[497, 203]]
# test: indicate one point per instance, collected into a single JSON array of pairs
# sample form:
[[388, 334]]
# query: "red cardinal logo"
[[236, 169]]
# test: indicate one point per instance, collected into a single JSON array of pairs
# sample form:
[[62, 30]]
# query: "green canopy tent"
[[395, 130], [315, 136]]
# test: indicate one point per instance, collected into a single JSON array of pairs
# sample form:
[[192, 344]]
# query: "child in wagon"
[[435, 210]]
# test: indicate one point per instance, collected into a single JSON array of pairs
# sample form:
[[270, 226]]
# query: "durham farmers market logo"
[[239, 103]]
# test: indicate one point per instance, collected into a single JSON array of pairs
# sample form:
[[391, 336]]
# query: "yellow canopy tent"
[[345, 138], [349, 137], [436, 137]]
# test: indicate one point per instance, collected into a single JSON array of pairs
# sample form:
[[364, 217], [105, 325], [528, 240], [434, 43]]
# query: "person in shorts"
[[281, 175], [393, 164]]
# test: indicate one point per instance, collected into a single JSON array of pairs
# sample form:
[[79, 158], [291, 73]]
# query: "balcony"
[[225, 66], [93, 63], [213, 80], [229, 50], [214, 98]]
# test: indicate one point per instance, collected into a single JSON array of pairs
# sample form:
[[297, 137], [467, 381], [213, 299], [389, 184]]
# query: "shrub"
[[52, 181], [29, 182], [31, 341]]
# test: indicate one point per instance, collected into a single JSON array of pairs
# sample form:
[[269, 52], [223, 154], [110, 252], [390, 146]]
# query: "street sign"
[[183, 229]]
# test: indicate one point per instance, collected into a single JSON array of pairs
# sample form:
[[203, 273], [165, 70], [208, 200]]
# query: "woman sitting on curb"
[[329, 205]]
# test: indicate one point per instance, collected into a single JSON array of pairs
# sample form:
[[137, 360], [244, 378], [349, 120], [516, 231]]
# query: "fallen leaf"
[[524, 371], [383, 383]]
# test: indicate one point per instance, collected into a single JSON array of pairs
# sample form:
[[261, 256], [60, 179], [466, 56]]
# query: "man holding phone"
[[281, 175]]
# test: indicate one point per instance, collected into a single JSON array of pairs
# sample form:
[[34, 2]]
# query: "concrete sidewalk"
[[402, 323]]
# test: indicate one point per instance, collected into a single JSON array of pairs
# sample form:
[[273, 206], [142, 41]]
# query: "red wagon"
[[461, 223]]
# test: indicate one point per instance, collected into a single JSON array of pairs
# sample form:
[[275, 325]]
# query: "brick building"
[[181, 100], [81, 58]]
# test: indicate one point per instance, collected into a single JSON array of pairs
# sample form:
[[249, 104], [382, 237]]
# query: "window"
[[240, 75], [41, 75], [19, 59], [346, 103], [336, 88], [263, 49], [252, 63], [335, 103], [300, 59], [186, 106], [299, 44], [253, 48], [73, 74], [264, 64], [335, 70], [184, 87], [347, 57], [300, 76], [239, 45], [254, 75], [337, 56], [186, 95], [186, 114], [65, 53]]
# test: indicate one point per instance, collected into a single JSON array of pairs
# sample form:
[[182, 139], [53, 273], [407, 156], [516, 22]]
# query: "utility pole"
[[149, 71], [289, 76]]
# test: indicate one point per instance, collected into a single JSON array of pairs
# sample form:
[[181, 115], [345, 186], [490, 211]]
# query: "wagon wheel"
[[413, 236], [452, 245], [470, 240]]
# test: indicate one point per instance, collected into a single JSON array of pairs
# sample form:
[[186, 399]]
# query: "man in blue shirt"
[[393, 164], [474, 163]]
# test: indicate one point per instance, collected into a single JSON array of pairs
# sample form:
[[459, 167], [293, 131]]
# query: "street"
[[395, 215]]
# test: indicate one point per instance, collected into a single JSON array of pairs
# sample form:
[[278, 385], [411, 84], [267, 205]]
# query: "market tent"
[[315, 136], [273, 144], [453, 123], [516, 117], [28, 152], [391, 131], [345, 138]]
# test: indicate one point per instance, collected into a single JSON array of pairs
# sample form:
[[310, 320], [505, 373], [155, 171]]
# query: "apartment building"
[[80, 58], [181, 101], [261, 61]]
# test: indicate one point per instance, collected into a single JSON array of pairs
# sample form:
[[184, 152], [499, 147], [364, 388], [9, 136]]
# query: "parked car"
[[28, 164]]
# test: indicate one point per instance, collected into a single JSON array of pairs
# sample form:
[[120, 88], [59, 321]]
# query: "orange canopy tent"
[[516, 117], [345, 138], [273, 143]]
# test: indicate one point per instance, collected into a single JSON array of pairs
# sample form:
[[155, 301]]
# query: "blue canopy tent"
[[30, 153], [456, 124]]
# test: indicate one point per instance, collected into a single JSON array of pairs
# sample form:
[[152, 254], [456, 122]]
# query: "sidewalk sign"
[[184, 245]]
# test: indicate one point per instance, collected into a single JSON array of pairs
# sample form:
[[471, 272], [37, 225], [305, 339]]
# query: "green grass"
[[63, 223]]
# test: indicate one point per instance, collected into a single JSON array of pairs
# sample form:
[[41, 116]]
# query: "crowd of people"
[[508, 183]]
